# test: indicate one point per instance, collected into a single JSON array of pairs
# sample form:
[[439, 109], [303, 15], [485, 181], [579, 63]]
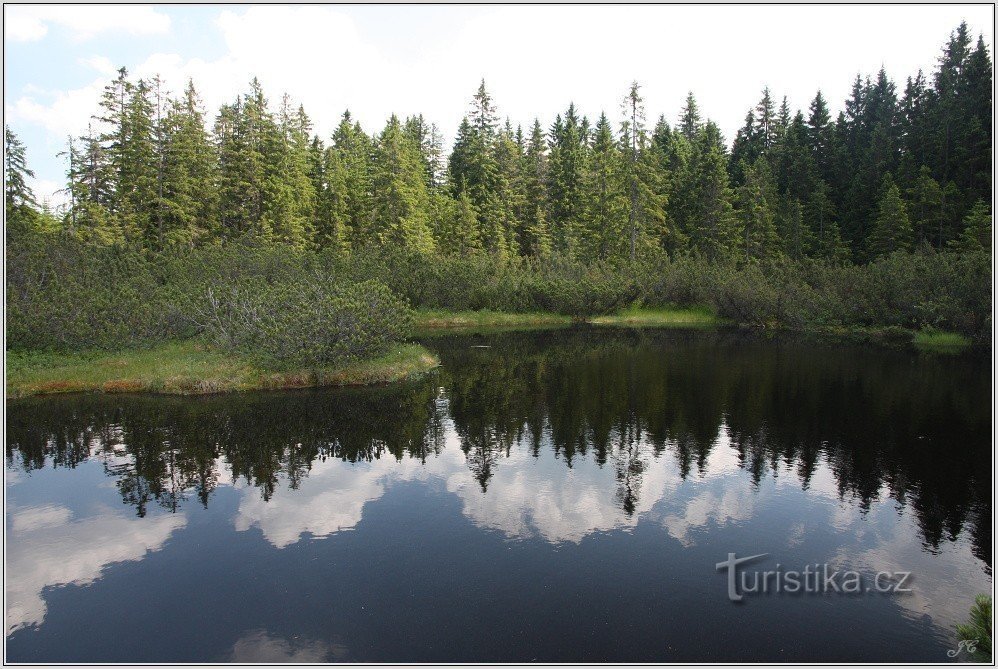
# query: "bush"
[[293, 305], [62, 295], [310, 321]]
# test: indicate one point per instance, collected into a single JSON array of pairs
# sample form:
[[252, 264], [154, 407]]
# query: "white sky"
[[379, 60]]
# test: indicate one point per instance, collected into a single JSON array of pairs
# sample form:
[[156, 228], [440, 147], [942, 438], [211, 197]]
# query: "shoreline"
[[188, 368]]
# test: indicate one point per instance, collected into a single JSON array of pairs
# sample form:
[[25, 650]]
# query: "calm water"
[[544, 496]]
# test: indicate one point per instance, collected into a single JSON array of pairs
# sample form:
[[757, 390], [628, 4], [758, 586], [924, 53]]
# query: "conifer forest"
[[872, 211]]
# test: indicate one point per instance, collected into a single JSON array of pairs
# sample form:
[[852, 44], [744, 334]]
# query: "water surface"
[[558, 495]]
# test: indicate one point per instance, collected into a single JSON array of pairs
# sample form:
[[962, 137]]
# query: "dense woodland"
[[900, 169]]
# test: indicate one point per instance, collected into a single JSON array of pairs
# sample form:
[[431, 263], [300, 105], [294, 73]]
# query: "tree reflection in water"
[[912, 427]]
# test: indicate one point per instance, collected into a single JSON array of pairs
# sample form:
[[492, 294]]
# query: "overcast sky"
[[535, 60]]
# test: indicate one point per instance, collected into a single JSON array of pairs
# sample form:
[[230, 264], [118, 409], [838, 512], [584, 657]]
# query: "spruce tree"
[[401, 201], [820, 135], [288, 192], [354, 151], [332, 215], [187, 211], [756, 214], [17, 193], [606, 199], [891, 229], [474, 169], [766, 121], [976, 235], [925, 209], [534, 238], [689, 121], [712, 228], [645, 179], [566, 173]]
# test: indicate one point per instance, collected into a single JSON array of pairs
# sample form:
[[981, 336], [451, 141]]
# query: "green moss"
[[938, 340], [430, 321], [661, 317], [189, 368], [439, 319]]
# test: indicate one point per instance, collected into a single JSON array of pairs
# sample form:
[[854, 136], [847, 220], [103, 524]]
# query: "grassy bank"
[[428, 321], [940, 341], [661, 317], [188, 368], [440, 319]]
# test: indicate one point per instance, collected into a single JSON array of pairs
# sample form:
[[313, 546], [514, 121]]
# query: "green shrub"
[[308, 321], [978, 630], [62, 295]]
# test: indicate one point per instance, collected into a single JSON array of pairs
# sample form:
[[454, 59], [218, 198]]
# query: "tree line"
[[892, 171]]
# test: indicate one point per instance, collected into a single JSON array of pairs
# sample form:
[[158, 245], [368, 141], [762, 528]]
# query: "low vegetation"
[[661, 317], [978, 631], [191, 368], [937, 340], [441, 319]]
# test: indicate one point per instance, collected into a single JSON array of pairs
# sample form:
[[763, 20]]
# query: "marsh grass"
[[190, 368], [931, 339], [662, 317], [442, 319]]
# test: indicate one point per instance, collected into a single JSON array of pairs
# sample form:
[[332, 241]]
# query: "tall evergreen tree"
[[566, 173], [645, 180], [689, 121], [712, 228], [189, 200], [756, 212], [976, 235], [401, 201], [892, 228], [534, 238], [353, 152], [474, 169], [17, 193], [606, 200]]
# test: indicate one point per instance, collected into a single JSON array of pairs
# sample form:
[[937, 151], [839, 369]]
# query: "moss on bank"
[[940, 341], [439, 319], [188, 368], [429, 321], [661, 317]]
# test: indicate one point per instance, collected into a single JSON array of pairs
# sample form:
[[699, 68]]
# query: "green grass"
[[429, 321], [661, 317], [938, 340], [439, 319], [188, 368]]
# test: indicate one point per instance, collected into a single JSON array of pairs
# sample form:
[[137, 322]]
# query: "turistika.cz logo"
[[818, 578]]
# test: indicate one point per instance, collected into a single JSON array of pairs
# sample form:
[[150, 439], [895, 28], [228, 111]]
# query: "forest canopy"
[[898, 168], [878, 215]]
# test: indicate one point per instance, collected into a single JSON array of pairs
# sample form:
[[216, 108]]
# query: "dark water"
[[544, 496]]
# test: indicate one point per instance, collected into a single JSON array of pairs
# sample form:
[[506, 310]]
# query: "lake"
[[558, 495]]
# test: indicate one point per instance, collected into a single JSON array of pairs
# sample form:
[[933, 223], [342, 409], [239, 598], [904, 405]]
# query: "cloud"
[[61, 113], [49, 548], [330, 500], [101, 64], [260, 646], [31, 23]]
